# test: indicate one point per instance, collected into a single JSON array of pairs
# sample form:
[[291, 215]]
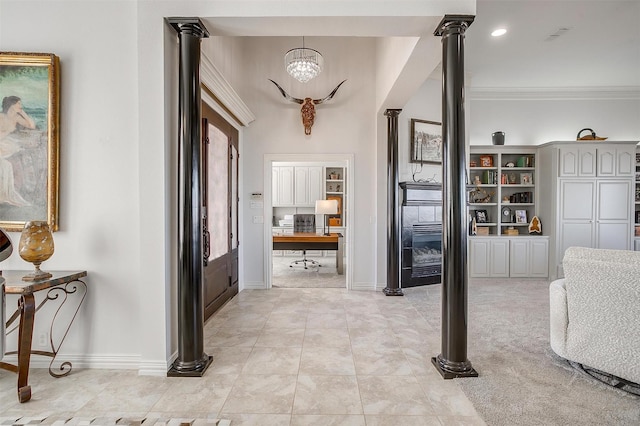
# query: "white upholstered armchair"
[[595, 311]]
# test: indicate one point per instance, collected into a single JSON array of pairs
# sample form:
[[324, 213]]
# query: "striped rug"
[[109, 421]]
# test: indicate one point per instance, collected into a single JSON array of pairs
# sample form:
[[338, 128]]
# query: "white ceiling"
[[601, 47]]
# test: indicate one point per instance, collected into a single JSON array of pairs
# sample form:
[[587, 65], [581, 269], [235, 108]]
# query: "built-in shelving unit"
[[636, 200], [335, 186], [503, 200]]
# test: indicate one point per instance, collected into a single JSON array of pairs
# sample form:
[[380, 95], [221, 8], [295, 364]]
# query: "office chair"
[[304, 223]]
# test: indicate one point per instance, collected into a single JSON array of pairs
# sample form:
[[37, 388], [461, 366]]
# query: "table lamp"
[[326, 207]]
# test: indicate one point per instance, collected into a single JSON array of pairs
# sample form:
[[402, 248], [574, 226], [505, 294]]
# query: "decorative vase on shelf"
[[36, 246], [497, 138]]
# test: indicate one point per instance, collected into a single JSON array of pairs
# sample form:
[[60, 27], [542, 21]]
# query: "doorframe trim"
[[269, 159]]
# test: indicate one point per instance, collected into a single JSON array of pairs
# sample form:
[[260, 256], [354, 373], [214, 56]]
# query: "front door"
[[220, 221]]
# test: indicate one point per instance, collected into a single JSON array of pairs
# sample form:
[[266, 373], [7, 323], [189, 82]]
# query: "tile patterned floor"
[[281, 357]]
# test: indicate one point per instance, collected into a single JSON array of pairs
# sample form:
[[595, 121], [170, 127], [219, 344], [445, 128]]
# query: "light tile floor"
[[280, 357]]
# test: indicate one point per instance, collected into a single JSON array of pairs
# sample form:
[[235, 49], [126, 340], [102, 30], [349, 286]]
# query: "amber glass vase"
[[36, 246]]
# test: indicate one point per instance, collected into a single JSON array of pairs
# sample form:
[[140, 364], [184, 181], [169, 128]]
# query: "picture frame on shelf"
[[481, 216], [426, 141], [526, 178], [29, 87], [486, 161], [521, 216]]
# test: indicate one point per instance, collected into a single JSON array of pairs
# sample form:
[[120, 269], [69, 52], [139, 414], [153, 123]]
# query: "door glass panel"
[[234, 198], [218, 192]]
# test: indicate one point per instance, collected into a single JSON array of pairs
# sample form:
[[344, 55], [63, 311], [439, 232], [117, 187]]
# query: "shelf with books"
[[504, 180]]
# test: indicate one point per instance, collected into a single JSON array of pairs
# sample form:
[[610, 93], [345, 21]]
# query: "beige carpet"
[[324, 276], [108, 421], [521, 380]]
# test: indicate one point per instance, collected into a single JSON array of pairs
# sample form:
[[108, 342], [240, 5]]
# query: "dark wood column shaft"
[[393, 207], [192, 361], [453, 362]]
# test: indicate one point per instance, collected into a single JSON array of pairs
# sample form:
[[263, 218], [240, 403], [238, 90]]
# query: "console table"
[[59, 288]]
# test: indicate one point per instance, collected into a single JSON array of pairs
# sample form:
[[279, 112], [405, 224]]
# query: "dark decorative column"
[[192, 361], [393, 207], [453, 362]]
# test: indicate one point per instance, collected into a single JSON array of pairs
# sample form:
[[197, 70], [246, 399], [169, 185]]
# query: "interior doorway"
[[220, 212], [293, 183]]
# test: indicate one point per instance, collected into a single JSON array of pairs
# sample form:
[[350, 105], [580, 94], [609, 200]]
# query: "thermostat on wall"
[[256, 196]]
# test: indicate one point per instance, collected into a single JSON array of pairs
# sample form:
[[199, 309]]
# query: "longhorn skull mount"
[[308, 110]]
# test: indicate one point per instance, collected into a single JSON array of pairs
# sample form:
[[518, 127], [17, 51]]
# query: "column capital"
[[392, 112], [191, 26], [453, 22]]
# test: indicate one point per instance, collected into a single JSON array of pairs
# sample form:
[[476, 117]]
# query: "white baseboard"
[[108, 362], [254, 285], [363, 286]]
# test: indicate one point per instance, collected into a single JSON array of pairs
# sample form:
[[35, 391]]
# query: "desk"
[[311, 241], [59, 287]]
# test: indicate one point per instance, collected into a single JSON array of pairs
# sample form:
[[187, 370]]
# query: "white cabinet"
[[282, 186], [489, 257], [508, 257], [294, 186], [589, 196], [529, 257], [595, 213], [308, 186], [591, 161], [577, 161]]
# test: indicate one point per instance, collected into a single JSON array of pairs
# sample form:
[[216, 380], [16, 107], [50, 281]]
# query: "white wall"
[[343, 125], [99, 185], [533, 121]]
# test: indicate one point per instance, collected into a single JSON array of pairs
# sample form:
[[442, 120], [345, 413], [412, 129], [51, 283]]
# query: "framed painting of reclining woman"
[[29, 92]]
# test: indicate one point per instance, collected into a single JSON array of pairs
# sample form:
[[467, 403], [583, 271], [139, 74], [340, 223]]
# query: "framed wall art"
[[29, 91], [426, 141]]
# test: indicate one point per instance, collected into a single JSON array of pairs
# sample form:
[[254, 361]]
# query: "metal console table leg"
[[59, 288]]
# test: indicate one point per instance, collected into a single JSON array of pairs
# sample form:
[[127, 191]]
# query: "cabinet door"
[[315, 185], [301, 187], [577, 199], [626, 161], [576, 161], [614, 200], [539, 258], [613, 235], [479, 255], [587, 162], [519, 265], [568, 162], [499, 258], [285, 186], [275, 186], [607, 162]]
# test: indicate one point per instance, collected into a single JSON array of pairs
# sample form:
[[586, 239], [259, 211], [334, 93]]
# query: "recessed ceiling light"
[[499, 32]]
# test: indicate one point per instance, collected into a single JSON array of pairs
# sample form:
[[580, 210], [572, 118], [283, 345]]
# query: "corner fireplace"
[[421, 257]]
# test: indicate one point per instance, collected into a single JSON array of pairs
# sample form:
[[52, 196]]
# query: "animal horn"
[[319, 101], [288, 96]]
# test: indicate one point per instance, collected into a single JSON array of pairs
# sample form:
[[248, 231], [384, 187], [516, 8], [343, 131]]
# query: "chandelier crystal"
[[303, 64]]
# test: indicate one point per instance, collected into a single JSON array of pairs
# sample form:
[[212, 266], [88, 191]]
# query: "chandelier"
[[303, 64]]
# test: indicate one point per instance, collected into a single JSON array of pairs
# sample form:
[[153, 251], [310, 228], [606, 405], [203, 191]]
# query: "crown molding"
[[222, 90], [553, 93]]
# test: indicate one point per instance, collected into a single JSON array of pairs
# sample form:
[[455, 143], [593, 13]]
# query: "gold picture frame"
[[29, 139]]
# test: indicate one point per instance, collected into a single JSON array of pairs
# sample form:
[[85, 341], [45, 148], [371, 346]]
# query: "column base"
[[190, 369], [453, 370], [392, 291]]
